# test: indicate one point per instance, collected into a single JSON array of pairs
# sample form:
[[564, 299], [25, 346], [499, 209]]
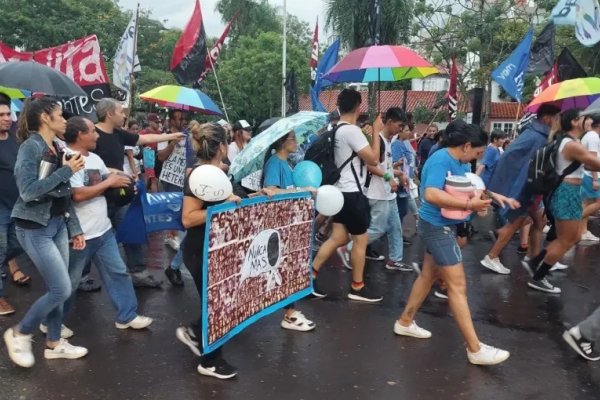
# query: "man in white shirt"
[[88, 186], [590, 185], [354, 217], [242, 133], [382, 185]]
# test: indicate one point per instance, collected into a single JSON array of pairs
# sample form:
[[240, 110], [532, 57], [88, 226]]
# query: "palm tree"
[[349, 19]]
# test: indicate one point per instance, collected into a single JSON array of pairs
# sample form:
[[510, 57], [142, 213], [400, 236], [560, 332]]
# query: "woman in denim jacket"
[[45, 218]]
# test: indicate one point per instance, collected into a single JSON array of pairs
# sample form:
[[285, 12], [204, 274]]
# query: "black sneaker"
[[522, 250], [187, 337], [373, 255], [583, 347], [398, 266], [440, 293], [89, 285], [529, 267], [174, 276], [364, 295], [407, 242], [543, 286], [218, 368], [317, 292]]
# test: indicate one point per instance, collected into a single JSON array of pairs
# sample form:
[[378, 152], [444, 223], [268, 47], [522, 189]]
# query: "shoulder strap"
[[571, 167]]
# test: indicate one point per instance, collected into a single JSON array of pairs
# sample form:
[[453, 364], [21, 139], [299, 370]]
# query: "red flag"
[[187, 63], [211, 58], [314, 57], [452, 92]]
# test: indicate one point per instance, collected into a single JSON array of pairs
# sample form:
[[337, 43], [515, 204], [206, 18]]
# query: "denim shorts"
[[565, 203], [587, 188], [440, 242]]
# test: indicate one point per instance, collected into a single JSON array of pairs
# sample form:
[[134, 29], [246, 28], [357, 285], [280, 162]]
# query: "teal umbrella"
[[250, 159]]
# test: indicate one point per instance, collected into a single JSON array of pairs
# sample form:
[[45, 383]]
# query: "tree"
[[254, 16], [250, 75]]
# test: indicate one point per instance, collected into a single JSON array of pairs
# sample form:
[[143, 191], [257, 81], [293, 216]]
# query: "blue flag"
[[511, 73], [329, 59]]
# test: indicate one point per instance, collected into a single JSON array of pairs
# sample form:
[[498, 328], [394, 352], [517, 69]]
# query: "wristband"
[[387, 177]]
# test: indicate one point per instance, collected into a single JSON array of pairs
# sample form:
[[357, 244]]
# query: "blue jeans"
[[9, 245], [104, 252], [133, 252], [48, 248], [385, 219]]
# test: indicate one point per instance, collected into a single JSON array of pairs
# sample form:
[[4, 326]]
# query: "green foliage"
[[254, 16]]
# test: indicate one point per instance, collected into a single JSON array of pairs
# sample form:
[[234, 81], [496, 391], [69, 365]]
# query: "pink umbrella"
[[380, 64]]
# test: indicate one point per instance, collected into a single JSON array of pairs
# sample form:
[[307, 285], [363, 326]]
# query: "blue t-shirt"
[[434, 174], [278, 173], [490, 158]]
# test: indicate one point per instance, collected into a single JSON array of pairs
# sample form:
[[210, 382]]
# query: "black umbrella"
[[267, 123], [37, 77]]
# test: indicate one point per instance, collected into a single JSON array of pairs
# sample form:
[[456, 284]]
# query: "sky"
[[177, 12]]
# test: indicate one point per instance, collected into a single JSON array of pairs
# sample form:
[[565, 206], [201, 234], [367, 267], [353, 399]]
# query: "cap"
[[153, 117], [242, 124], [222, 122]]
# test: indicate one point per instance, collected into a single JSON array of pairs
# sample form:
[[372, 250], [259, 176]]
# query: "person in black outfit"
[[210, 144]]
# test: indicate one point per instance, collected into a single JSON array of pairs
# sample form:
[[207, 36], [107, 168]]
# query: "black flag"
[[292, 93], [187, 63], [542, 51], [568, 67]]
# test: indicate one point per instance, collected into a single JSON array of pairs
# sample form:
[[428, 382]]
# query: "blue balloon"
[[307, 173]]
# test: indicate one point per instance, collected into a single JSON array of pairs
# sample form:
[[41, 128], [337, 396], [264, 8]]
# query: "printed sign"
[[173, 170], [257, 258]]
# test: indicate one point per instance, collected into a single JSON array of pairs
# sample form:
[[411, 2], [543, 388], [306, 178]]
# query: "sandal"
[[18, 277]]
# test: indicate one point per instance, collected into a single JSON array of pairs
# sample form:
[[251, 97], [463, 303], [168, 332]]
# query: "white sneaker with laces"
[[589, 237], [64, 349], [559, 267], [297, 322], [495, 265], [344, 255], [65, 333], [412, 330], [487, 355], [19, 348], [139, 322]]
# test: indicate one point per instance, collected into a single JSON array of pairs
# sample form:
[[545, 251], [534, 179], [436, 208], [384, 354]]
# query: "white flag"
[[587, 22], [123, 65], [564, 12]]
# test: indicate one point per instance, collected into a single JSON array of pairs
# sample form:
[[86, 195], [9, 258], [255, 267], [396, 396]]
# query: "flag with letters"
[[511, 73]]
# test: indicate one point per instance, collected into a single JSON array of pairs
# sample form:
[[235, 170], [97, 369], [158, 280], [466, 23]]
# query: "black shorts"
[[356, 213], [463, 229]]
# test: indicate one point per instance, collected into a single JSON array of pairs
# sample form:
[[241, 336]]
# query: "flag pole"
[[284, 60], [218, 87], [516, 124], [131, 77]]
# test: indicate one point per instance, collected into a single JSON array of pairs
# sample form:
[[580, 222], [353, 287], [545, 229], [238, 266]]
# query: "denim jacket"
[[35, 196]]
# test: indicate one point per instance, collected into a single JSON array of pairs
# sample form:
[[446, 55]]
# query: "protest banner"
[[173, 169], [81, 60], [257, 260]]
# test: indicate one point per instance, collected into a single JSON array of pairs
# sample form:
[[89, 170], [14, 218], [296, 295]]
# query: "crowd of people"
[[62, 180]]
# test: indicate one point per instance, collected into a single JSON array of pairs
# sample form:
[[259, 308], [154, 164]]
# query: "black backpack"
[[542, 178], [321, 152]]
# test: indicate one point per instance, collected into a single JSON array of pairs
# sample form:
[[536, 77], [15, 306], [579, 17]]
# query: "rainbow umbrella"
[[380, 64], [183, 98], [15, 93], [573, 93]]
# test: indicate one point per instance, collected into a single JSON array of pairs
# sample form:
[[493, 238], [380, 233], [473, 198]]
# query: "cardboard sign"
[[257, 258], [173, 170]]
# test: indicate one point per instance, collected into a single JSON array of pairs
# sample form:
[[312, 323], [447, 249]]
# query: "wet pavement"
[[352, 354]]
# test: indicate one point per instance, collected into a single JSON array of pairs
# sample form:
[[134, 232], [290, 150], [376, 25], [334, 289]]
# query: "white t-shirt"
[[126, 167], [591, 141], [379, 189], [349, 138], [562, 163], [233, 151], [93, 213]]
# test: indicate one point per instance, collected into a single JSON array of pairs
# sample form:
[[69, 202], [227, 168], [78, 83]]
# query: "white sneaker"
[[19, 348], [495, 265], [139, 322], [413, 330], [589, 237], [64, 349], [487, 355], [65, 332], [344, 255], [297, 322], [546, 229], [173, 243], [559, 267]]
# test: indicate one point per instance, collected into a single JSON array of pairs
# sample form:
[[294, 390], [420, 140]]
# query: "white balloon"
[[329, 201], [209, 183]]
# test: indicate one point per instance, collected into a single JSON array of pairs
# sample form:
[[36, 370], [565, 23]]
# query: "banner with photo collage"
[[257, 257]]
